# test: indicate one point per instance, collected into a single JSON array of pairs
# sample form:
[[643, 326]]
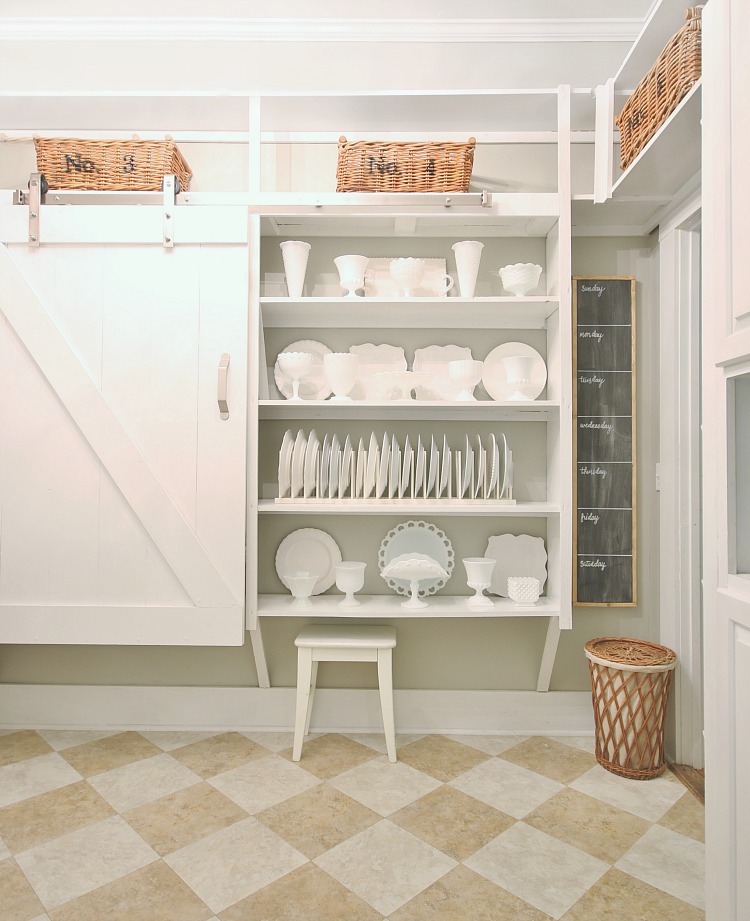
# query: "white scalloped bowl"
[[521, 277]]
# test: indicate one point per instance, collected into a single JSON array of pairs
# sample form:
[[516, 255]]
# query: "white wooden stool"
[[343, 644]]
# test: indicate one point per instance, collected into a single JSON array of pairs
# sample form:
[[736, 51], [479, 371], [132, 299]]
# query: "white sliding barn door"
[[122, 491], [726, 439]]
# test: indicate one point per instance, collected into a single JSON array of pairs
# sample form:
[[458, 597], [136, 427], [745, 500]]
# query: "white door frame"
[[679, 474]]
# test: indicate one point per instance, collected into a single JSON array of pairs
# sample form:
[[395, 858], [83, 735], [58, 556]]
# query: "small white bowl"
[[521, 277], [524, 590]]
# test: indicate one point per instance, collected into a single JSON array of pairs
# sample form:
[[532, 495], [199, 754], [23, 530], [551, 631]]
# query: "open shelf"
[[404, 313], [477, 410], [391, 606], [458, 507]]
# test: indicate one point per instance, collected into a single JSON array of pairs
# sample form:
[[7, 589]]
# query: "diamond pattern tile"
[[197, 826]]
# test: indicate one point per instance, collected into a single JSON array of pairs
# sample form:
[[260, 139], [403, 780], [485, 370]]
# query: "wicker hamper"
[[674, 72], [630, 683], [384, 166], [113, 166]]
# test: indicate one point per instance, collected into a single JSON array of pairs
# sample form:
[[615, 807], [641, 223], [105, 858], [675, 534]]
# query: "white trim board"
[[256, 709]]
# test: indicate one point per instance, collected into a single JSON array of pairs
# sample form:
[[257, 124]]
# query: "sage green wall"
[[431, 653]]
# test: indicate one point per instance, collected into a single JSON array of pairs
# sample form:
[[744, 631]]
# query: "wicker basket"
[[384, 166], [115, 166], [657, 95], [630, 683]]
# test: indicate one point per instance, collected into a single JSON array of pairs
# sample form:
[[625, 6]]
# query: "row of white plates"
[[384, 469]]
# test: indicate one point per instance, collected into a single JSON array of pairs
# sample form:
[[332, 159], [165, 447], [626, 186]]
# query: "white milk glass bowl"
[[465, 373], [407, 274], [479, 577], [301, 584], [520, 278], [296, 365], [341, 373], [351, 273], [350, 577]]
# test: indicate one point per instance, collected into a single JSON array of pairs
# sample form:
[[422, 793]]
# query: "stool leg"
[[304, 675], [385, 683], [313, 684]]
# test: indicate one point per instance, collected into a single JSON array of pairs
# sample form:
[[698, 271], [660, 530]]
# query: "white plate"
[[445, 469], [381, 482], [432, 473], [521, 555], [334, 466], [420, 462], [505, 474], [314, 385], [417, 537], [298, 464], [309, 550], [345, 471], [433, 360], [480, 471], [404, 486], [468, 470], [312, 459], [378, 281], [325, 460], [394, 469], [285, 463], [374, 359], [493, 371], [359, 471], [493, 461], [373, 462]]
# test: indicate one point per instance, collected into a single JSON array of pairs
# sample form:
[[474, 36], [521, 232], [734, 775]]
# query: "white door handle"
[[222, 388]]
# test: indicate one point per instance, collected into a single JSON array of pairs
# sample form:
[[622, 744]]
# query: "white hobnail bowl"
[[521, 277], [524, 589]]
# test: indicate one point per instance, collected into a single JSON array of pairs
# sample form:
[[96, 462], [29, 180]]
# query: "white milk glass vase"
[[295, 254], [341, 373], [351, 271], [467, 253]]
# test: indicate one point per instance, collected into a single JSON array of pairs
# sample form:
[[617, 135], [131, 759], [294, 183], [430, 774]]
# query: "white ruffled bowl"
[[521, 277]]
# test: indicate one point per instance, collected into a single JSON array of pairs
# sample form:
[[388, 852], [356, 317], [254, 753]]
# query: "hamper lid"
[[624, 650]]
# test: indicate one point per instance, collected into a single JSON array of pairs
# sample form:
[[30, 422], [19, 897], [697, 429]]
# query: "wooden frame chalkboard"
[[604, 431]]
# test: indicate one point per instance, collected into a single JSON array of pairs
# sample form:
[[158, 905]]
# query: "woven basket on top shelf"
[[630, 683], [385, 166], [658, 94], [113, 166]]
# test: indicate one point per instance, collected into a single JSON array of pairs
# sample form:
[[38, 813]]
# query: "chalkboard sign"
[[604, 441]]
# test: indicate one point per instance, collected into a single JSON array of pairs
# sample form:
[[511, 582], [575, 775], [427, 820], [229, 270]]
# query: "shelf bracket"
[[549, 654], [170, 181]]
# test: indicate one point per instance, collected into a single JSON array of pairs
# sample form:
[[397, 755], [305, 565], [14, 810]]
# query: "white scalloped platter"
[[516, 555]]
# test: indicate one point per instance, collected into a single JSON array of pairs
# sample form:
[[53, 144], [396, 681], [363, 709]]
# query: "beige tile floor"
[[175, 826]]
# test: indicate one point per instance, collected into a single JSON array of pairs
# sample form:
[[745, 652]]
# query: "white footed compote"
[[296, 365], [518, 370], [479, 577], [468, 253], [407, 274], [465, 373], [341, 373], [524, 590], [350, 577], [301, 584], [520, 278], [351, 273], [295, 254], [413, 568]]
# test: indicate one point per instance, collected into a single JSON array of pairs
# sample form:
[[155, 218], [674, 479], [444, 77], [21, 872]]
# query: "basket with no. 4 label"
[[401, 166]]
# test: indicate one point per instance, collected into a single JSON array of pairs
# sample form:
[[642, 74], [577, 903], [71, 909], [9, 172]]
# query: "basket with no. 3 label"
[[110, 165], [401, 166]]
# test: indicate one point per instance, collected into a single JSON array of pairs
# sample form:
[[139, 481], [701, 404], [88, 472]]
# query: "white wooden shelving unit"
[[269, 132]]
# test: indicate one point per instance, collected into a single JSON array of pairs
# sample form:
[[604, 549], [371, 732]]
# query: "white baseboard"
[[256, 709]]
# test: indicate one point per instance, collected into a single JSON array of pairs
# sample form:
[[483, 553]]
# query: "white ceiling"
[[263, 45]]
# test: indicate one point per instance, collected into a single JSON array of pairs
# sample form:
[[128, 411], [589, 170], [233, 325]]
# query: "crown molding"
[[144, 28]]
